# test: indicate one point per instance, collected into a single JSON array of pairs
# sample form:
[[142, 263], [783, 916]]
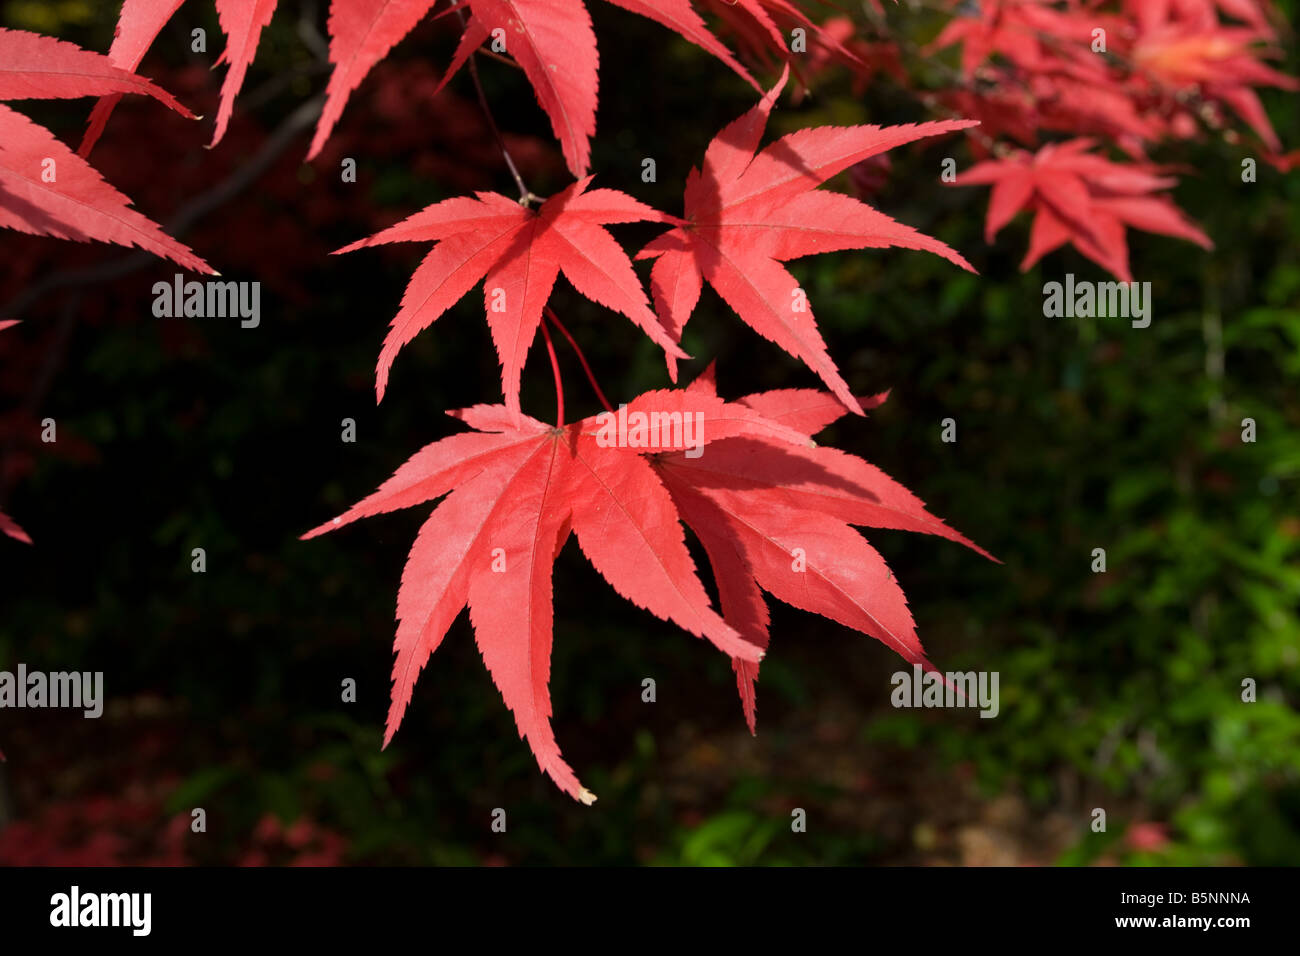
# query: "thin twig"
[[310, 35]]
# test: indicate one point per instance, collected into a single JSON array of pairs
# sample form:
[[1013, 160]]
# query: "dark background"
[[1119, 690]]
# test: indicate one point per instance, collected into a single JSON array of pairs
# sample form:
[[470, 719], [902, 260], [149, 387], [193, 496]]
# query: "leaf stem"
[[555, 372], [525, 195], [550, 314]]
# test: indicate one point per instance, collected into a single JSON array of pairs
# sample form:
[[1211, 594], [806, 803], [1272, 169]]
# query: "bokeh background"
[[1119, 690]]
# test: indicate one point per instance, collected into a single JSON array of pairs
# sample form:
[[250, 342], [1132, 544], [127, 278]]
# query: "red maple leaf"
[[837, 42], [778, 519], [1082, 199], [749, 481], [746, 214], [516, 493], [552, 40], [45, 188], [1035, 35], [1158, 60], [1215, 62], [518, 252], [11, 528], [139, 24], [764, 30], [1204, 13], [1031, 64]]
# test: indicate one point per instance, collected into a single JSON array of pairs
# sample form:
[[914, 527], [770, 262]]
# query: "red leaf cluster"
[[772, 509]]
